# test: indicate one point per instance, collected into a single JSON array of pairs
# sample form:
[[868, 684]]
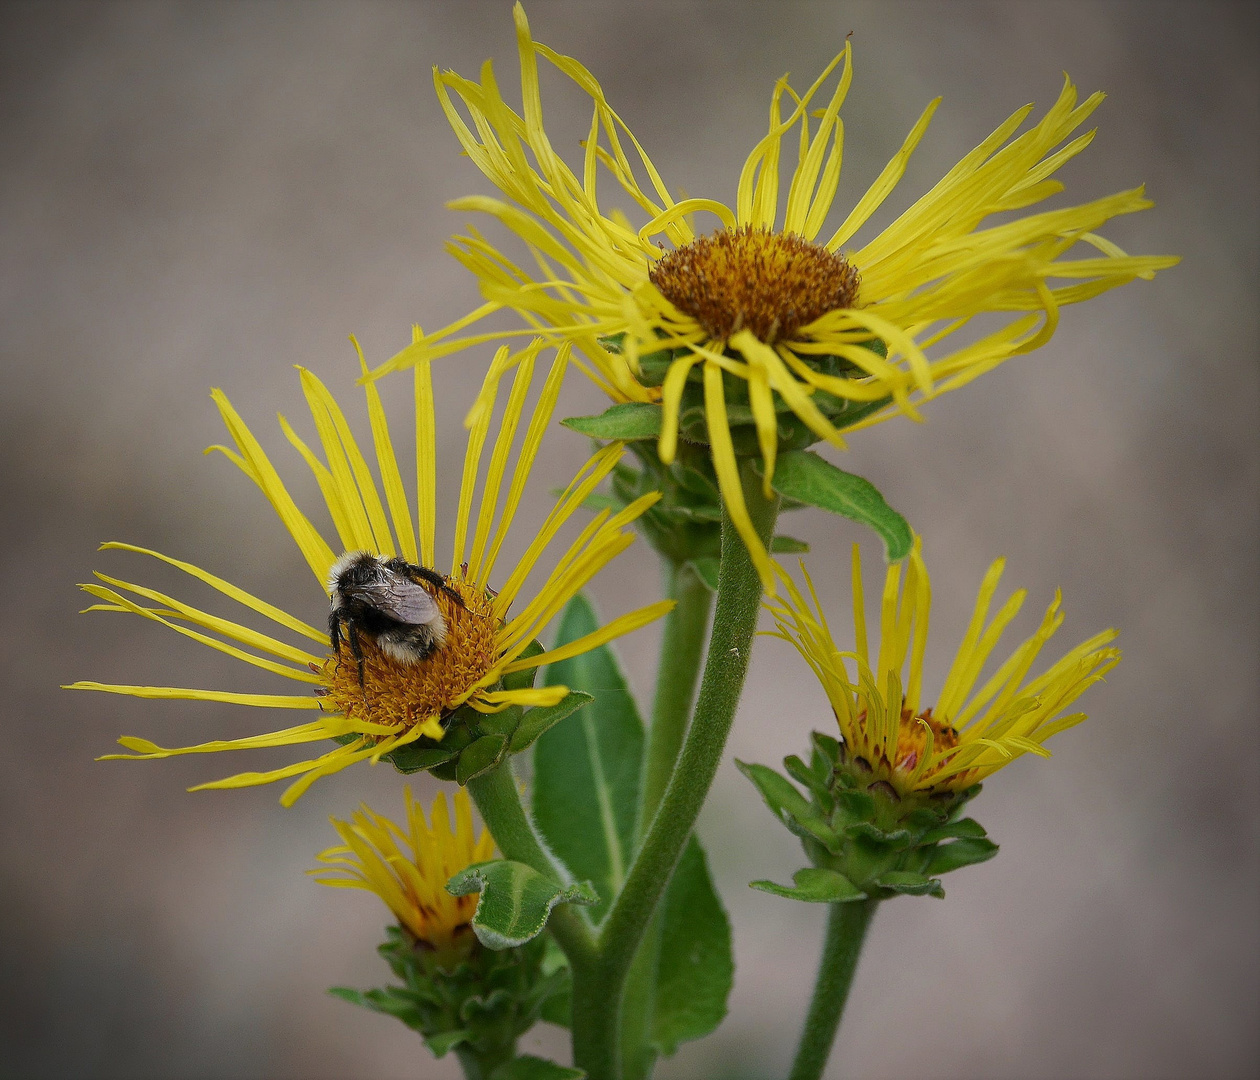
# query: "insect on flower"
[[386, 600]]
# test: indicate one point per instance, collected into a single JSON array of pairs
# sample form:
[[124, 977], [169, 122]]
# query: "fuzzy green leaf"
[[515, 900], [543, 718], [959, 853], [787, 545], [625, 421], [966, 829], [586, 769], [706, 569], [803, 476], [817, 885], [535, 1068], [481, 756], [909, 883], [696, 968], [441, 1045]]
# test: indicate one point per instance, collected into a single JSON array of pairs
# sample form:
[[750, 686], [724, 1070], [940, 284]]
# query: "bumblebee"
[[386, 601]]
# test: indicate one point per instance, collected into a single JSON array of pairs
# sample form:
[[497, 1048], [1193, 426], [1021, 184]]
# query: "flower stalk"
[[846, 931]]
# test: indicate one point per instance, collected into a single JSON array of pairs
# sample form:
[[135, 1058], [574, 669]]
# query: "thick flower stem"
[[682, 649], [498, 800], [846, 930], [597, 993]]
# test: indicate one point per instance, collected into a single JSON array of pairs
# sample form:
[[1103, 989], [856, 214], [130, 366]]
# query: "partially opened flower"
[[408, 868], [892, 729], [365, 694], [759, 336]]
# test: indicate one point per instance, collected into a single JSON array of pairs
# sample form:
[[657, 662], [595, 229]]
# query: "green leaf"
[[787, 545], [441, 1045], [803, 476], [625, 421], [535, 1068], [817, 885], [543, 718], [959, 853], [481, 756], [515, 900], [910, 883], [586, 769], [412, 758], [706, 569], [696, 969]]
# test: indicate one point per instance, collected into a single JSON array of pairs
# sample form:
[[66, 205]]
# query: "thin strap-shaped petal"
[[727, 470], [426, 459], [318, 554], [623, 624], [529, 450], [269, 611], [884, 183], [472, 456], [387, 463], [177, 693], [499, 459]]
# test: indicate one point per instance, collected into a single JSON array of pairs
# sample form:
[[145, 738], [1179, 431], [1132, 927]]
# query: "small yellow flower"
[[967, 734], [804, 326], [409, 868], [396, 703]]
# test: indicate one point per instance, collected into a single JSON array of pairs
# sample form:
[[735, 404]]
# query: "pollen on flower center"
[[402, 695], [753, 279]]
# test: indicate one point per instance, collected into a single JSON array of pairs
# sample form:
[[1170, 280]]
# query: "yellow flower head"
[[396, 703], [409, 868], [967, 734], [761, 322]]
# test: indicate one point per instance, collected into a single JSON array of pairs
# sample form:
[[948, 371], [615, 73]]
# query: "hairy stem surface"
[[846, 930], [597, 995]]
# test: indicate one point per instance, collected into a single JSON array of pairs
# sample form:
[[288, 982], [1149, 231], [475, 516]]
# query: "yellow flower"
[[966, 734], [396, 703], [760, 309], [408, 869]]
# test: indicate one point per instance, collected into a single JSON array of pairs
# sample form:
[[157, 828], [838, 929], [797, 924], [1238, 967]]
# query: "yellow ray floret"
[[967, 733], [408, 867], [486, 632], [763, 298]]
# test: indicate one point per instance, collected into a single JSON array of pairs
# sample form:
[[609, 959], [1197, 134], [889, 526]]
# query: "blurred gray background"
[[206, 194]]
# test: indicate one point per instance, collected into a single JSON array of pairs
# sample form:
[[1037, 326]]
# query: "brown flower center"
[[753, 279], [401, 695]]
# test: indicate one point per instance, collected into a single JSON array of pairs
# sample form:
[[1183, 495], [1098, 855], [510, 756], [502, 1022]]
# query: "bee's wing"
[[402, 599]]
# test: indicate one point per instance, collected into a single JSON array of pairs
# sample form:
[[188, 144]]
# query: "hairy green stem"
[[597, 994], [846, 930], [498, 800], [682, 649]]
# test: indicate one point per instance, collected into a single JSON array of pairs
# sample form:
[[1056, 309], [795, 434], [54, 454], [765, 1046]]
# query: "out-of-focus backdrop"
[[198, 195]]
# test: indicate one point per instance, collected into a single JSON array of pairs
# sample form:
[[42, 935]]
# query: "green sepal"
[[963, 829], [909, 883], [959, 853], [790, 806], [817, 885], [524, 680], [893, 838], [788, 545], [540, 719], [803, 476], [443, 1044], [515, 900], [535, 1068], [503, 722], [426, 754], [481, 756], [623, 422], [706, 569]]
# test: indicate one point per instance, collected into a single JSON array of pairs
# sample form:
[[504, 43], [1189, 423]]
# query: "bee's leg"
[[334, 631], [438, 581], [356, 649]]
